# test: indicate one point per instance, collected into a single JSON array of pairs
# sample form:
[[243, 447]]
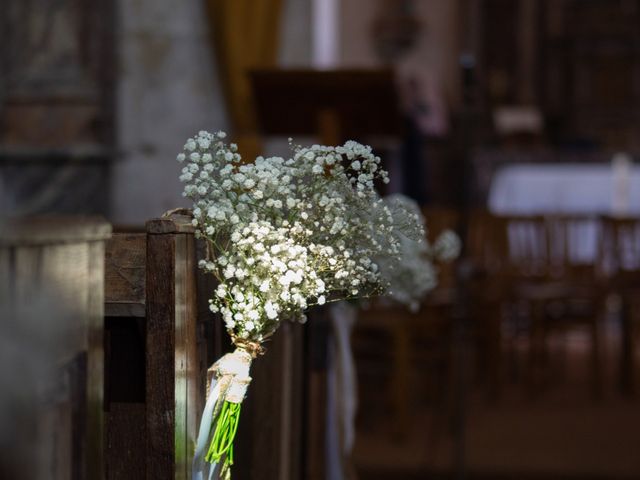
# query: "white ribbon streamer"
[[343, 393], [230, 381], [202, 469]]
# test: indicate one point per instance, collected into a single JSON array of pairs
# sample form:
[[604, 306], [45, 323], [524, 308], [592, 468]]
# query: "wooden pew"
[[156, 294], [51, 301], [125, 294]]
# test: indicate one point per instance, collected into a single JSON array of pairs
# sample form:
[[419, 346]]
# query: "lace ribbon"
[[227, 380]]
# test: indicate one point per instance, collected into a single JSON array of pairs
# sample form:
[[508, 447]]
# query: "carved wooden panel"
[[57, 88], [577, 60], [56, 71]]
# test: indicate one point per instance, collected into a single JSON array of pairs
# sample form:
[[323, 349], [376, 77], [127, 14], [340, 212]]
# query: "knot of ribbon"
[[232, 371]]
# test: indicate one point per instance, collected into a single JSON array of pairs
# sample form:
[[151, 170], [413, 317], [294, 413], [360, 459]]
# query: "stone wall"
[[56, 108], [168, 90]]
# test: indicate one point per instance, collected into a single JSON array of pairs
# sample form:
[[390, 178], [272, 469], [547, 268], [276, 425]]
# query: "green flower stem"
[[225, 431]]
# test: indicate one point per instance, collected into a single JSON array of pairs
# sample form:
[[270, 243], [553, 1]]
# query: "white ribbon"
[[230, 381], [342, 402]]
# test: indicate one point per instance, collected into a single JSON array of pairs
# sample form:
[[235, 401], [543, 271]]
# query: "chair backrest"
[[528, 245], [554, 247], [620, 248], [574, 246]]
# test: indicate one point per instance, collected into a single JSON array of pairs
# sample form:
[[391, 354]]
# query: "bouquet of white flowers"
[[282, 235], [407, 275], [412, 273]]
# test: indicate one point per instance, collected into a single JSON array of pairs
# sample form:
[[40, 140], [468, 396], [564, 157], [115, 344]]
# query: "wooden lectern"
[[335, 106]]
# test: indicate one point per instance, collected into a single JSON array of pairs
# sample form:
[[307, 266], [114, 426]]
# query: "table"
[[530, 189]]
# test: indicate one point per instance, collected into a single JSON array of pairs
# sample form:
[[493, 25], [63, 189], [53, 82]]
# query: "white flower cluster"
[[446, 247], [286, 234], [415, 274]]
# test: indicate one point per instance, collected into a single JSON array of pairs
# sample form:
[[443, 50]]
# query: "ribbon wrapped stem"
[[228, 385]]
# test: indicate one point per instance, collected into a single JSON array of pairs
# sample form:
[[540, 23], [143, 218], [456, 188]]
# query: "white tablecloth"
[[560, 188]]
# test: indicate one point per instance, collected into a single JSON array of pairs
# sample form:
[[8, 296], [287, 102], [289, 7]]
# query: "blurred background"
[[514, 122]]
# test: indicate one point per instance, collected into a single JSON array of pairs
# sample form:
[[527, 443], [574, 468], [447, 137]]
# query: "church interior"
[[514, 124]]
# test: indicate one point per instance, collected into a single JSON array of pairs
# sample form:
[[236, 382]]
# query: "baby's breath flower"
[[284, 232], [409, 272]]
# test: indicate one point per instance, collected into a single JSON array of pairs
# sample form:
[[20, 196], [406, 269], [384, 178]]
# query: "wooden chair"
[[537, 265], [161, 338], [620, 254], [553, 272], [437, 329], [381, 350], [397, 348]]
